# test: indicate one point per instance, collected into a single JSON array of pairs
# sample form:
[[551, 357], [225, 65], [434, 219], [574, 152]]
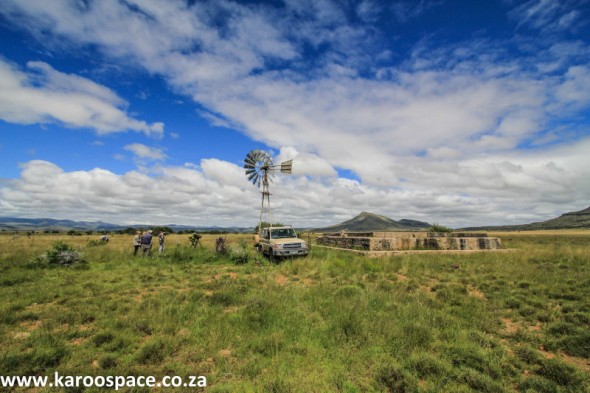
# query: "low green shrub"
[[240, 254], [61, 254]]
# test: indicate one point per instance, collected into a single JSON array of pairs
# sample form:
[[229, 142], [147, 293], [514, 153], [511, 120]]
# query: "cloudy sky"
[[457, 112]]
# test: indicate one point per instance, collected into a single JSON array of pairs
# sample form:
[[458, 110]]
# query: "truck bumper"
[[289, 253]]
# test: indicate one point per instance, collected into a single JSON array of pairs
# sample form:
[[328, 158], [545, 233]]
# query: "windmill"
[[260, 171]]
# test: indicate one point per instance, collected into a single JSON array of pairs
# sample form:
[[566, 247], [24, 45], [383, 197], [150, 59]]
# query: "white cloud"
[[44, 95], [145, 152], [575, 90], [498, 189], [305, 163], [438, 136]]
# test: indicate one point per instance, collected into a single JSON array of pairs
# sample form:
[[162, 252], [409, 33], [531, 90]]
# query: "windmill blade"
[[287, 166], [253, 177], [252, 157]]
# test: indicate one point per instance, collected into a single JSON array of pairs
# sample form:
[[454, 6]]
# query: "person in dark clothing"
[[146, 243]]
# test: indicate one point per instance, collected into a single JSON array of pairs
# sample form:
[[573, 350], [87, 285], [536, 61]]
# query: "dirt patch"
[[510, 327], [580, 363], [232, 275], [184, 332], [215, 277], [30, 326], [231, 309], [536, 328], [78, 341], [546, 354], [402, 277], [21, 335], [473, 291], [224, 353], [281, 280]]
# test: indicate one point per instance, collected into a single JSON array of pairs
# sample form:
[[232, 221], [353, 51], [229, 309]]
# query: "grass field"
[[332, 322]]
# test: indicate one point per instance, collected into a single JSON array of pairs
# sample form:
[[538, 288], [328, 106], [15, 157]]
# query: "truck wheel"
[[271, 256]]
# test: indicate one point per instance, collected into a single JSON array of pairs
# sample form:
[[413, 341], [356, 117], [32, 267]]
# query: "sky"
[[456, 112]]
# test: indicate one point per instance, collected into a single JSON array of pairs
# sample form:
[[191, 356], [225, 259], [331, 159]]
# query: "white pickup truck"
[[280, 242]]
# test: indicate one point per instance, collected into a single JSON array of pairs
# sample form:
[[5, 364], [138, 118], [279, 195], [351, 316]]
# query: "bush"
[[436, 228], [62, 254], [240, 254]]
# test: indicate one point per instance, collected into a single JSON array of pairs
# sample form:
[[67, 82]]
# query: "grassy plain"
[[332, 322]]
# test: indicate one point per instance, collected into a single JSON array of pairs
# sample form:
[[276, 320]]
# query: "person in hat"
[[146, 243]]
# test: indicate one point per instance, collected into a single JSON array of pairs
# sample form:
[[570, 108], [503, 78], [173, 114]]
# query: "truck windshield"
[[282, 233]]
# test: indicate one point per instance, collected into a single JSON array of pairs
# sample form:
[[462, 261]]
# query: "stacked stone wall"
[[393, 241]]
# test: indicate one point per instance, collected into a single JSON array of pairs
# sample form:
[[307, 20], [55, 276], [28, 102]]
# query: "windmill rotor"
[[259, 167]]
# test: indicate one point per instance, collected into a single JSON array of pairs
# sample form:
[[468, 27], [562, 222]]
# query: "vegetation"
[[265, 224], [436, 228], [332, 322], [61, 254]]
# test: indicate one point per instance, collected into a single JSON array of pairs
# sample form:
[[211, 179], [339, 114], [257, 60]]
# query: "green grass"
[[332, 322]]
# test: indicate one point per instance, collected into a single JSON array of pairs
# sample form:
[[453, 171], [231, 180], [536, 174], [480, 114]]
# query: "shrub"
[[61, 254], [240, 254], [436, 228]]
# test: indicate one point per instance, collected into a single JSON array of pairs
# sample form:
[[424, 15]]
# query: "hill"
[[42, 224], [373, 222], [39, 224], [572, 220]]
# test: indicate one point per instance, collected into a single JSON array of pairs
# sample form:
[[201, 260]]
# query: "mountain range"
[[572, 220], [374, 222], [42, 224], [362, 223]]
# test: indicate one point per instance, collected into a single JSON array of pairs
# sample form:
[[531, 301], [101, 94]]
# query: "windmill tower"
[[260, 171]]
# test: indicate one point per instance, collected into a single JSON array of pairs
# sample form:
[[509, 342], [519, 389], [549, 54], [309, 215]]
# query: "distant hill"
[[572, 220], [37, 224], [365, 222], [42, 224]]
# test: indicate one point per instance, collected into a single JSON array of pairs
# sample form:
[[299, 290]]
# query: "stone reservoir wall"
[[393, 241]]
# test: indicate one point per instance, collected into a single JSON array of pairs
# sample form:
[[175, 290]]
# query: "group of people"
[[144, 240]]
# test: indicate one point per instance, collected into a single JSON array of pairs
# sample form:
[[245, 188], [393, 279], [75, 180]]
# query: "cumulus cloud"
[[42, 94], [145, 152], [446, 131], [305, 163], [492, 190]]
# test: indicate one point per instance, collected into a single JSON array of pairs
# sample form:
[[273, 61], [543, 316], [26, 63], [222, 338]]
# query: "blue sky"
[[455, 112]]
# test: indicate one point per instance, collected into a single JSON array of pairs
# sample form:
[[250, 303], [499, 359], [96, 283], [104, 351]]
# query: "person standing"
[[136, 242], [161, 238], [146, 243]]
